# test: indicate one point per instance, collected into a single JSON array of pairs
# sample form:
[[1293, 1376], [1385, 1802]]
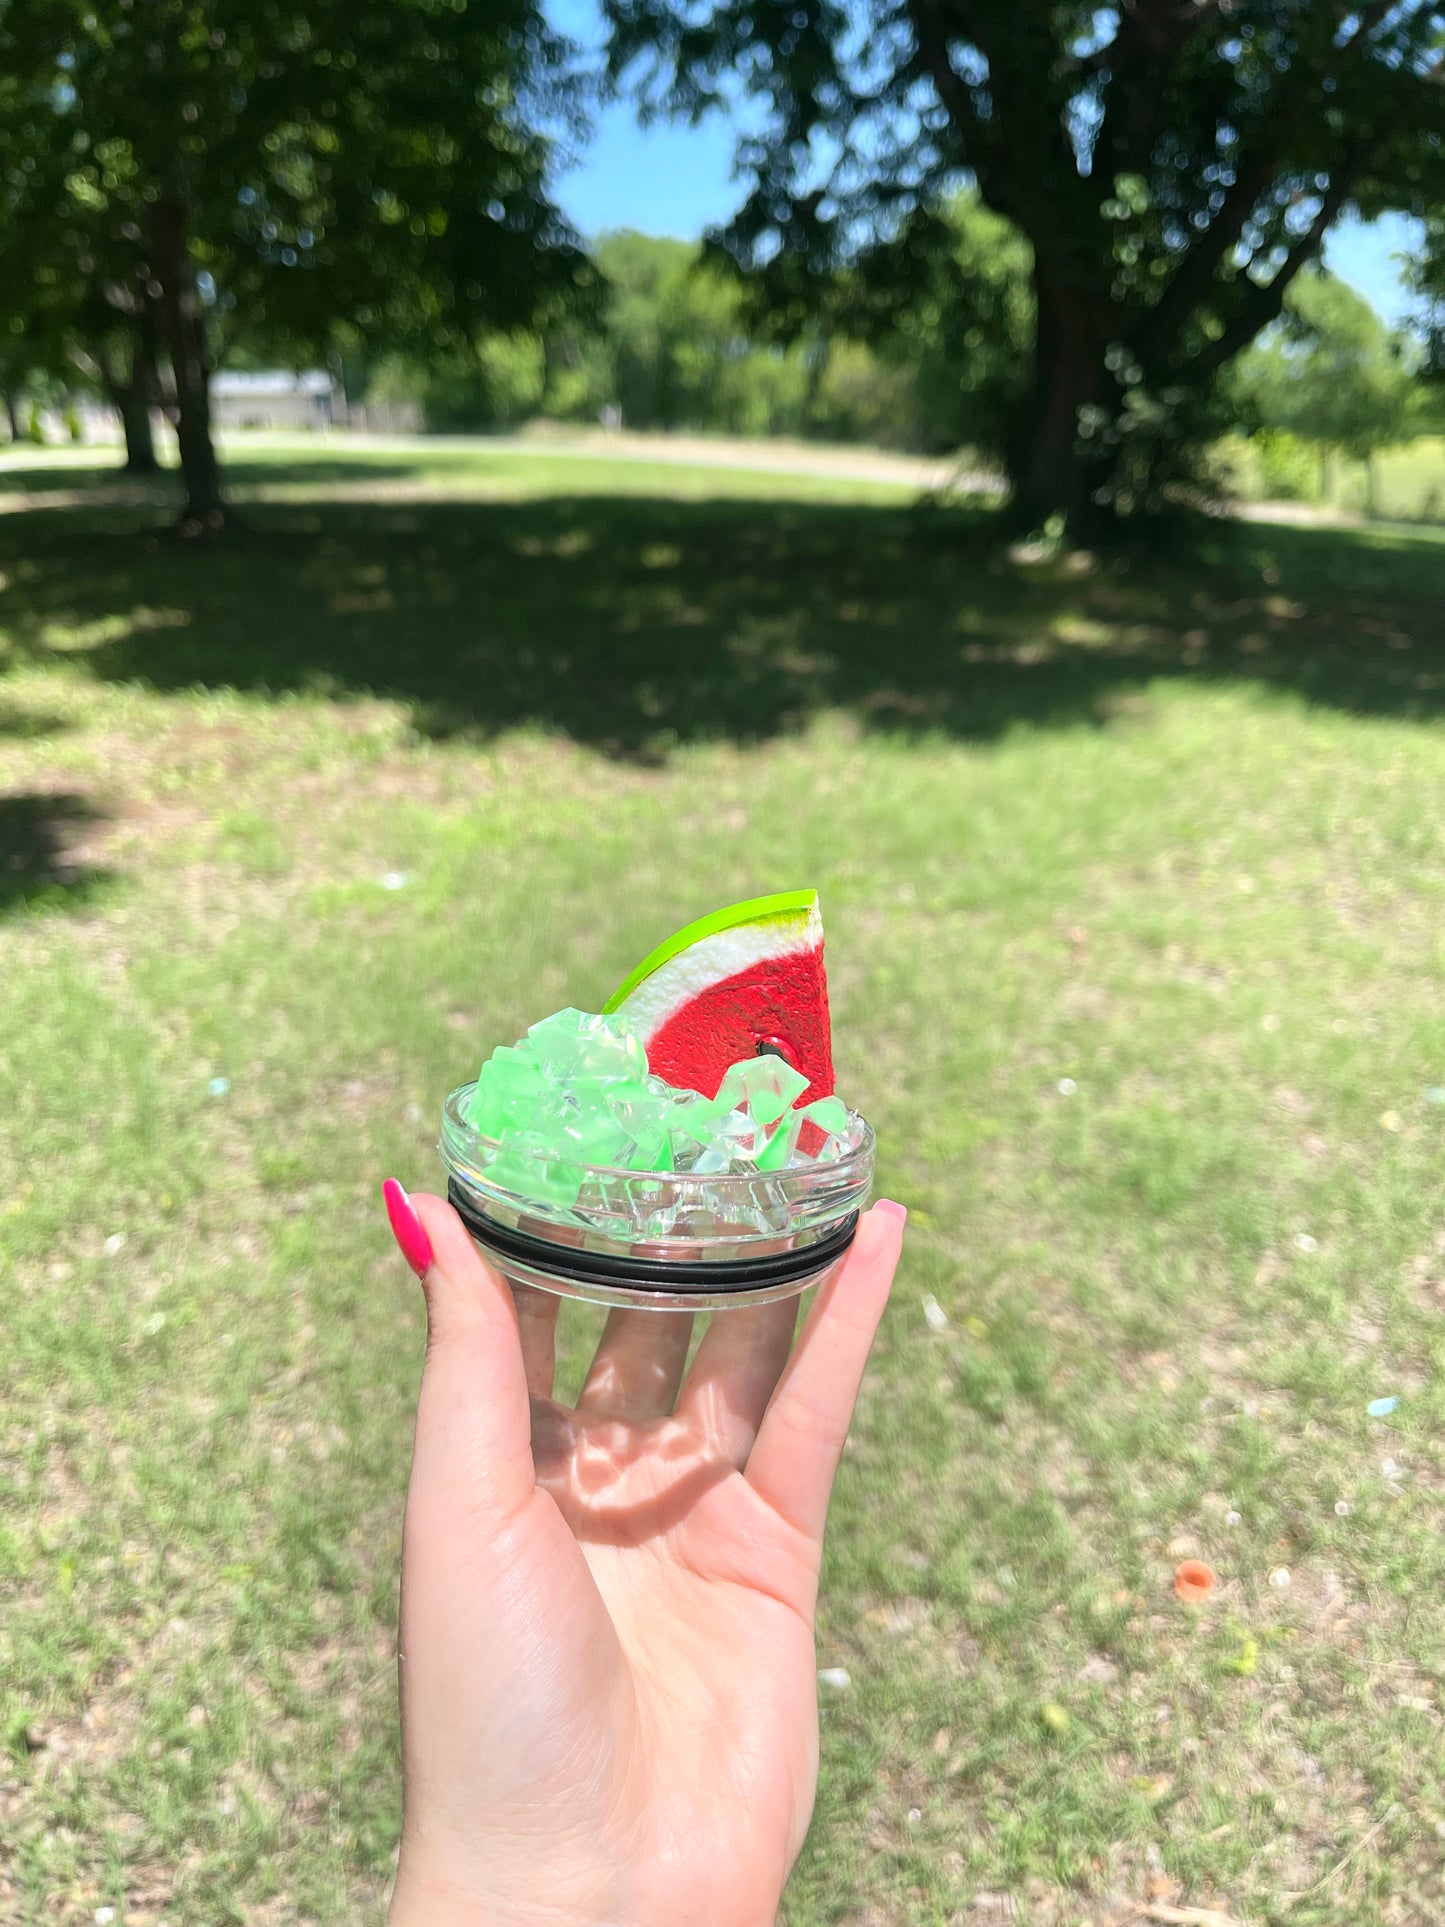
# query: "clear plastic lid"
[[670, 1216]]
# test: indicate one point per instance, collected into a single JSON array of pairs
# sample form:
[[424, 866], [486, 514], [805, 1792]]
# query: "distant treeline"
[[676, 343], [935, 359]]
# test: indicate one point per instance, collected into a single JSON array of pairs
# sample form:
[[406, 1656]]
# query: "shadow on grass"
[[106, 476], [38, 869], [635, 623], [29, 725]]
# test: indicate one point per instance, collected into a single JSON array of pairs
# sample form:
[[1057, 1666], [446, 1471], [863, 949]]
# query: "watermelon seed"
[[775, 1047]]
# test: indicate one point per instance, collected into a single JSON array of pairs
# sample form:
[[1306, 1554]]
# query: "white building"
[[276, 398]]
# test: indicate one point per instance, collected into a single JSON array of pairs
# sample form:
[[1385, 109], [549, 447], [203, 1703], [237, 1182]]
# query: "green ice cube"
[[652, 1152], [738, 1136], [523, 1166], [669, 1093], [507, 1087], [830, 1114], [691, 1126], [633, 1104]]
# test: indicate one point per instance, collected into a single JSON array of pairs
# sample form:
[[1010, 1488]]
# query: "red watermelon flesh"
[[779, 1005], [736, 984]]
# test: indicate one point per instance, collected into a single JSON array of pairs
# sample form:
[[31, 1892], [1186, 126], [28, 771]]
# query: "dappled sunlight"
[[68, 638], [634, 626], [1134, 885], [28, 725], [574, 543]]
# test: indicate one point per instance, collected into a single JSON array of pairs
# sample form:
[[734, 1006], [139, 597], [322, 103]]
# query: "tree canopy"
[[1171, 164], [677, 341], [1328, 372], [250, 166]]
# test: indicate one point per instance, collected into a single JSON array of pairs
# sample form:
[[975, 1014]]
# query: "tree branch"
[[1370, 17], [1149, 37], [1257, 314], [1158, 326], [1005, 149], [1265, 306], [1159, 27], [954, 92]]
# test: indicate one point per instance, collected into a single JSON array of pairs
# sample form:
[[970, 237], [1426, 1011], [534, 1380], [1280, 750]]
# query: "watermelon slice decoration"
[[743, 982]]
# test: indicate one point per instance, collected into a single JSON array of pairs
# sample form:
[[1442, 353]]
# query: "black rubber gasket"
[[653, 1274]]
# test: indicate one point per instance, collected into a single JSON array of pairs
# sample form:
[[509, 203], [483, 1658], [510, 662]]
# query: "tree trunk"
[[132, 401], [11, 399], [336, 368], [1055, 464], [178, 313], [145, 382], [132, 390]]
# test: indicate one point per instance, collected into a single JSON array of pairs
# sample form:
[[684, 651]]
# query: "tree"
[[282, 172], [1329, 372], [950, 300], [1172, 165], [674, 347], [494, 383], [61, 309], [116, 349]]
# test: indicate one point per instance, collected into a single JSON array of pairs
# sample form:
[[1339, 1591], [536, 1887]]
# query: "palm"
[[711, 1598], [607, 1629]]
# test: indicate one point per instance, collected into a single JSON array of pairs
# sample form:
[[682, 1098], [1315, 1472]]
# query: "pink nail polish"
[[407, 1228], [899, 1211]]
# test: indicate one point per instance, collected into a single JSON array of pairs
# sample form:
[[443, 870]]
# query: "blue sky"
[[1366, 255], [678, 180]]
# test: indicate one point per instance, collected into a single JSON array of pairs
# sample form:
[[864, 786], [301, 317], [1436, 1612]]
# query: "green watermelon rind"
[[785, 907]]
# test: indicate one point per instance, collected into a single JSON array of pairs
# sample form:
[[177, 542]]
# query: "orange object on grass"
[[1193, 1580]]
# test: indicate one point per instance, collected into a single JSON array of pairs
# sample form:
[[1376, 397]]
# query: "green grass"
[[1168, 828], [1409, 479]]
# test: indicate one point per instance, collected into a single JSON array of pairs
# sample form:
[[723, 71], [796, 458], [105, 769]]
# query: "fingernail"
[[407, 1228], [899, 1211]]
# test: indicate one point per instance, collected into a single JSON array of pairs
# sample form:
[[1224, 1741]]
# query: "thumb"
[[473, 1449]]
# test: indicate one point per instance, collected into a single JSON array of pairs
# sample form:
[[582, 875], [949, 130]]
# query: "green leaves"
[[1331, 373], [352, 163], [1170, 168]]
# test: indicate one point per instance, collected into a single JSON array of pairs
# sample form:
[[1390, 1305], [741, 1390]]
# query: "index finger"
[[473, 1449]]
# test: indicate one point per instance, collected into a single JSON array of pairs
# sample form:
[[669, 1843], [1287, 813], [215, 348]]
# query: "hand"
[[608, 1678]]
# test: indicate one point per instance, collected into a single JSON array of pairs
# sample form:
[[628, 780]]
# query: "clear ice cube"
[[779, 1149], [761, 1081], [575, 1045]]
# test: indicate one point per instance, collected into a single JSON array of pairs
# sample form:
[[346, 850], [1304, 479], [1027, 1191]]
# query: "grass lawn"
[[1135, 888], [1409, 479]]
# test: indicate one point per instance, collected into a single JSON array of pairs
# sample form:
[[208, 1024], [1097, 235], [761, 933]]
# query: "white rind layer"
[[713, 960]]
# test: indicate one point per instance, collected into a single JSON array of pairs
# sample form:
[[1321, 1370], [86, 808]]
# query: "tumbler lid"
[[767, 1271]]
